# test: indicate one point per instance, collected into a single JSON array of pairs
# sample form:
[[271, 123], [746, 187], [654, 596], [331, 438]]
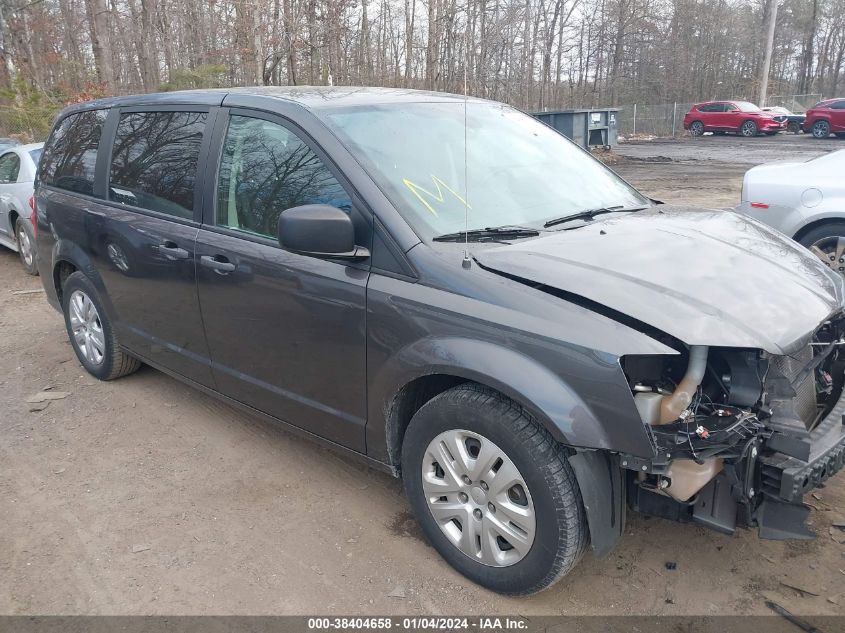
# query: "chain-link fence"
[[26, 124], [653, 120], [666, 120], [794, 103]]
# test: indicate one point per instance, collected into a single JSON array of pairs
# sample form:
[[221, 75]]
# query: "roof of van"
[[311, 97]]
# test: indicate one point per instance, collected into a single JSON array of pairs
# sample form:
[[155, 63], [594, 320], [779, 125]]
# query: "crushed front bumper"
[[763, 488], [803, 463]]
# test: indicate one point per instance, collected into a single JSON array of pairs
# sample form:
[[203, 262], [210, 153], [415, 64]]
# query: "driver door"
[[730, 119]]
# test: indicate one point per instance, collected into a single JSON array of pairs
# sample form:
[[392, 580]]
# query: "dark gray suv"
[[455, 293]]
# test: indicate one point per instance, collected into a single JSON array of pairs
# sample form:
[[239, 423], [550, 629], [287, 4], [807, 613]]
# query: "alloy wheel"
[[478, 498], [696, 128], [87, 328], [25, 246], [821, 129], [831, 250], [749, 128]]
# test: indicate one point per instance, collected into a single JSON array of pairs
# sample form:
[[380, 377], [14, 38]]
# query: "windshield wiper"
[[479, 235], [589, 214]]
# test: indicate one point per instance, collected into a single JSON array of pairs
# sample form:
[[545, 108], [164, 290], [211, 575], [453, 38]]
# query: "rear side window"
[[154, 161], [10, 165], [71, 153]]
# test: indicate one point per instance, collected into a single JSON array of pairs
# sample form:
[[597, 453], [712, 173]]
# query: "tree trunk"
[[98, 23]]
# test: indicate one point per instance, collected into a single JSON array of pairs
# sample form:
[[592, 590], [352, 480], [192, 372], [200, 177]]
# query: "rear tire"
[[696, 128], [26, 245], [821, 129], [826, 241], [793, 127], [470, 418], [91, 333]]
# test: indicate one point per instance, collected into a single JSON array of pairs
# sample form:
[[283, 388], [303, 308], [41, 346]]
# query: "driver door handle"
[[218, 263]]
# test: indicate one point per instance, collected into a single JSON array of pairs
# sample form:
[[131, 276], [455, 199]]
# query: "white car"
[[17, 174], [803, 200]]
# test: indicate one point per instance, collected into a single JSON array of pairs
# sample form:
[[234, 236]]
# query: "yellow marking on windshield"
[[439, 197]]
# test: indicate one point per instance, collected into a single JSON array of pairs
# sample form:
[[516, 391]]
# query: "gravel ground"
[[707, 171], [143, 496]]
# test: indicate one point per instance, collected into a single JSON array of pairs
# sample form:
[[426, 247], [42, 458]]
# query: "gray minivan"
[[457, 294]]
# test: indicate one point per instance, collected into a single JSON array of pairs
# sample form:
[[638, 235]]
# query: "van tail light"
[[759, 205], [33, 217]]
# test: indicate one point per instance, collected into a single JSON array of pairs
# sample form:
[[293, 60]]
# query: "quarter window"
[[154, 161], [265, 169], [71, 153], [10, 165]]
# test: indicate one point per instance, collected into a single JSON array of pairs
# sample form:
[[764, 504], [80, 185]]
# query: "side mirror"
[[319, 230]]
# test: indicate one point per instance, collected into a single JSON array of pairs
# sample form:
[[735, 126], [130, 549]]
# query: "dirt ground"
[[143, 496], [707, 171]]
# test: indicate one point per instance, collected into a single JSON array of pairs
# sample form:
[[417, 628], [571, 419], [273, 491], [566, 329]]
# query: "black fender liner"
[[600, 479]]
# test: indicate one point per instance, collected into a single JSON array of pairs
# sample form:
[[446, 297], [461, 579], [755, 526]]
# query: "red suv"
[[730, 116], [826, 117]]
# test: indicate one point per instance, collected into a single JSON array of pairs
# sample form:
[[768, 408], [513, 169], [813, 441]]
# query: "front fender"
[[549, 398]]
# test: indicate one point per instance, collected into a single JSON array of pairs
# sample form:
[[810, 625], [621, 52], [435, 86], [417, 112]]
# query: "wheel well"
[[814, 225], [61, 272], [13, 220], [407, 402]]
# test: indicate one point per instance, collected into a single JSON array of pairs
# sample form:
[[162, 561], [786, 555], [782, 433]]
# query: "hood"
[[706, 277]]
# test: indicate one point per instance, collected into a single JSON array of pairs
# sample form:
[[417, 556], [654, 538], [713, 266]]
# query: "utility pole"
[[767, 60]]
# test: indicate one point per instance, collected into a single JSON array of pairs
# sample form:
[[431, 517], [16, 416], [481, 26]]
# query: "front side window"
[[10, 165], [154, 161], [265, 168], [70, 155], [517, 170], [838, 105]]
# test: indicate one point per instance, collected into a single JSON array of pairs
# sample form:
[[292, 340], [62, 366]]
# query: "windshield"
[[747, 107], [518, 170]]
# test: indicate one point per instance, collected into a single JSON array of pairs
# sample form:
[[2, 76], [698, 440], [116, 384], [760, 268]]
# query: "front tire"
[[493, 492], [696, 128], [91, 333], [821, 129], [748, 129], [26, 246]]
